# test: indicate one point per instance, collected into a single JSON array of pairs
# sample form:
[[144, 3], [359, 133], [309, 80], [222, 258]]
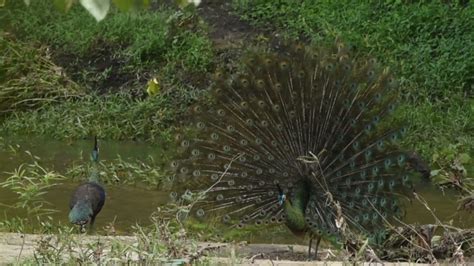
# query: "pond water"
[[128, 205]]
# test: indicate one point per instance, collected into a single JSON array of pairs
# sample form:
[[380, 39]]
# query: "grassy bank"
[[110, 63], [123, 50]]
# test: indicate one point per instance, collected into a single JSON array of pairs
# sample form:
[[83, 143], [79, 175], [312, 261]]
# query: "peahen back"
[[304, 125]]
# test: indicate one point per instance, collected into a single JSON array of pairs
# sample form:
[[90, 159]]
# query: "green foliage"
[[164, 242], [78, 32], [119, 47], [100, 8], [14, 224], [122, 51], [116, 116], [30, 182], [29, 79], [428, 44], [214, 231], [120, 171], [190, 51], [436, 126]]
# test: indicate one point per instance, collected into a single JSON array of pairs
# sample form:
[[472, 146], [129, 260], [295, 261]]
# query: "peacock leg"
[[91, 224], [309, 247], [316, 249]]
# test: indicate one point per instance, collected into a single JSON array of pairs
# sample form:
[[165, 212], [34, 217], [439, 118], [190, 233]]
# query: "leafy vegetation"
[[29, 79], [112, 53], [119, 171], [117, 55], [30, 183], [165, 241], [114, 116]]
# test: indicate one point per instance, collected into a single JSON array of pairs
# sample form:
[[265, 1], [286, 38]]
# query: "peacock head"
[[281, 195], [95, 151]]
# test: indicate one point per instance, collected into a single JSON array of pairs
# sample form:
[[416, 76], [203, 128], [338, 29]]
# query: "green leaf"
[[62, 5], [2, 3], [464, 158], [123, 5], [127, 5], [435, 172], [97, 8]]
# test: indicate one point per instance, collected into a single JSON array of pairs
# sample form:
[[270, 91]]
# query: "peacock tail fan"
[[283, 107]]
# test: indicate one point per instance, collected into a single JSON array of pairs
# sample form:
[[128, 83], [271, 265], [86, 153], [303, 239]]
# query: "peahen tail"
[[300, 137]]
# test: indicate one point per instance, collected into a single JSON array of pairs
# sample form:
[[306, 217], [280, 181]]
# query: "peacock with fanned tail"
[[299, 137], [88, 198]]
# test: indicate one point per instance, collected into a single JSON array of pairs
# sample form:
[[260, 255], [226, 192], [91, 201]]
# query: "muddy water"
[[128, 205]]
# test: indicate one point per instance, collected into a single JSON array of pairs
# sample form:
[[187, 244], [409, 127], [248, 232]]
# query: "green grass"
[[118, 56], [29, 79], [124, 47], [144, 173], [429, 45], [116, 116]]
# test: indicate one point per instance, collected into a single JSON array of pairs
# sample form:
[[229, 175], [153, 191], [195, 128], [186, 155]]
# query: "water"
[[128, 205]]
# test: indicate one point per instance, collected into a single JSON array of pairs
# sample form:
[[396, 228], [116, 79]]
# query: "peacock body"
[[300, 137], [88, 198]]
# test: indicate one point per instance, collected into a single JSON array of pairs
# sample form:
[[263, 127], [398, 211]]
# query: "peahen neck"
[[294, 208], [94, 173]]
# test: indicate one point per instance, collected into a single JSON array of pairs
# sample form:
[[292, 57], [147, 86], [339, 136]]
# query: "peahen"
[[299, 136], [89, 198]]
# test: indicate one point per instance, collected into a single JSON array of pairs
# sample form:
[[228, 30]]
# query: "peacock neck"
[[294, 208]]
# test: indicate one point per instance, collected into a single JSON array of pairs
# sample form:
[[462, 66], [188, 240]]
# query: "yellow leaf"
[[153, 87]]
